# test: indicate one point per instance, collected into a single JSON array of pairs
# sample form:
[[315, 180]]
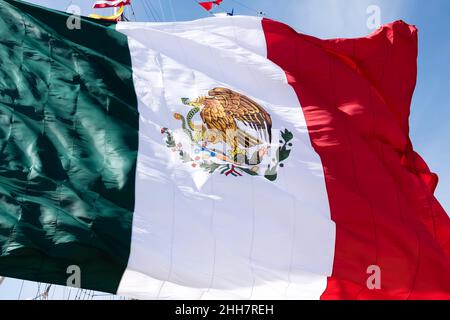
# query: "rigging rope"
[[132, 11], [38, 293], [145, 9], [243, 5], [70, 3], [174, 18], [148, 9], [154, 10], [46, 292], [53, 293], [162, 11], [21, 287]]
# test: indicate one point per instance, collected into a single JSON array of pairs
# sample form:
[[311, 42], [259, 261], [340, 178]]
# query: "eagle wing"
[[245, 110]]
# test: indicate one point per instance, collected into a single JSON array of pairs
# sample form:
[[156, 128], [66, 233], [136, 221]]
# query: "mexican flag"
[[222, 158]]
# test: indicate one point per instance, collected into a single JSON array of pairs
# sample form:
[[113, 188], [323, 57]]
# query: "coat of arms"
[[229, 133]]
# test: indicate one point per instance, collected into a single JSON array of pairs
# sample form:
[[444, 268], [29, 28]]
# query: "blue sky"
[[430, 116]]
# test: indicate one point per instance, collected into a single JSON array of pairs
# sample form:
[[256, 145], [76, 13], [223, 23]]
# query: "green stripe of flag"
[[68, 148]]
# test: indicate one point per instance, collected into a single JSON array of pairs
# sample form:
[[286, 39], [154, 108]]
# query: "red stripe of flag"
[[356, 95]]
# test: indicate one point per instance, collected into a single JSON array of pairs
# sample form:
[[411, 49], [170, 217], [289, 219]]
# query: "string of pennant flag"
[[120, 4], [111, 3]]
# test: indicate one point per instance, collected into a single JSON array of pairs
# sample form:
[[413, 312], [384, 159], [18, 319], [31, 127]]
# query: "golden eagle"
[[222, 111]]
